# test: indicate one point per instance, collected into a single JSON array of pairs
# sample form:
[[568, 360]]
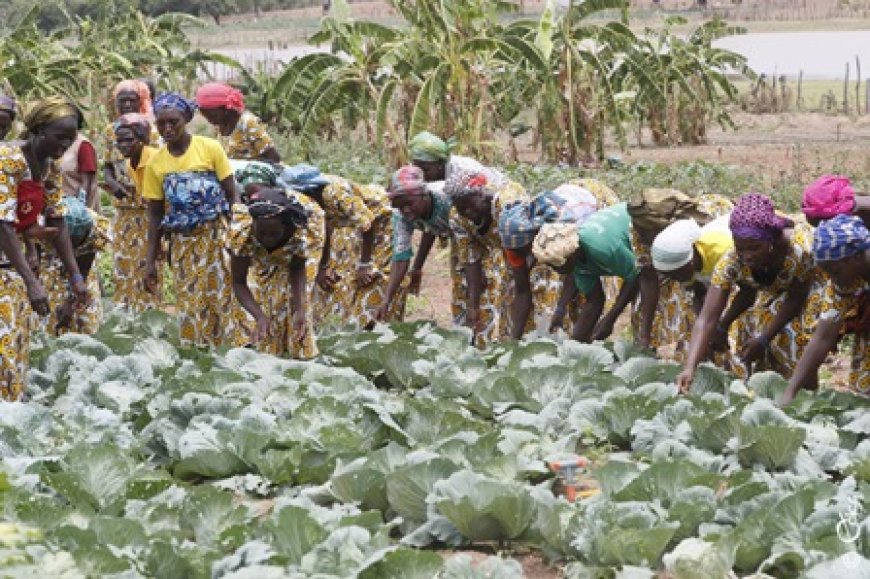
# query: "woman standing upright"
[[130, 224], [241, 133], [128, 96], [30, 186], [189, 187]]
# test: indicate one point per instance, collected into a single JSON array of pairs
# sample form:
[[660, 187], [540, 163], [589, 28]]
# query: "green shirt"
[[606, 242]]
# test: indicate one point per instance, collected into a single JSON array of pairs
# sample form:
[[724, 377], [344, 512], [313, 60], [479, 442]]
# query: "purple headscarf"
[[754, 217], [7, 105]]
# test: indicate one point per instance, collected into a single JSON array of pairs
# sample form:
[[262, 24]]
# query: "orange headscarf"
[[141, 89]]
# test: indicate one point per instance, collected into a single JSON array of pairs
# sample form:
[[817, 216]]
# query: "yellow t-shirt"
[[711, 246], [138, 173], [203, 154]]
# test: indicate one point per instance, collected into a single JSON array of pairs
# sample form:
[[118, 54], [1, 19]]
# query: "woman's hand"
[[754, 349], [416, 280], [300, 326], [366, 275], [64, 314], [261, 330], [38, 298], [151, 279], [684, 380], [326, 279], [80, 291], [558, 321]]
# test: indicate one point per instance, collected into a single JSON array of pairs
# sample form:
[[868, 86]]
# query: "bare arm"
[[10, 246], [649, 301], [298, 285], [627, 293], [63, 248], [155, 218], [791, 307], [239, 267], [229, 187], [824, 340], [426, 242], [522, 305], [474, 277], [326, 253], [589, 313], [706, 323]]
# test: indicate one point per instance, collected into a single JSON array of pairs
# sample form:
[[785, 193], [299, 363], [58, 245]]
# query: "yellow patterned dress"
[[15, 312], [249, 140], [271, 272], [787, 347], [54, 278], [474, 245], [350, 209], [130, 229], [196, 220], [847, 306], [675, 315]]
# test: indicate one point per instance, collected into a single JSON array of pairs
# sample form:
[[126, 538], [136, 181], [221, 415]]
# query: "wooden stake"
[[846, 92], [857, 85], [800, 97]]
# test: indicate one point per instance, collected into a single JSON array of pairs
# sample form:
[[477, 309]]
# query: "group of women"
[[264, 254]]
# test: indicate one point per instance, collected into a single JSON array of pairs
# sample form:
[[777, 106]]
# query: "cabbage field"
[[138, 458]]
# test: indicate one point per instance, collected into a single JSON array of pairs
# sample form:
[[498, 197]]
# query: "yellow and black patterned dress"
[[54, 278], [271, 273], [675, 316], [15, 311], [787, 347], [130, 229], [474, 245], [351, 209], [848, 306], [249, 140]]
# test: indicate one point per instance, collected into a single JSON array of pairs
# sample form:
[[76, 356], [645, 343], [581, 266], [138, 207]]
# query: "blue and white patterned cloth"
[[840, 237], [194, 198]]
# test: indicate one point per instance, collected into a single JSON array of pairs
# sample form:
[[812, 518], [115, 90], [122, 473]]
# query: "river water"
[[820, 55]]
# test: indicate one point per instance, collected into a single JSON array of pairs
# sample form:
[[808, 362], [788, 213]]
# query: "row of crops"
[[138, 458]]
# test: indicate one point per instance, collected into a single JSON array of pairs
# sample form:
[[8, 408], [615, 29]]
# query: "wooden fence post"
[[857, 85], [800, 97], [846, 92]]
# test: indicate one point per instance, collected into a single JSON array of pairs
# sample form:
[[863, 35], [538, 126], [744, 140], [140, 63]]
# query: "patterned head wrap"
[[304, 178], [136, 122], [519, 223], [840, 237], [556, 242], [141, 90], [43, 112], [257, 172], [408, 180], [754, 217], [675, 246], [465, 182], [78, 219], [428, 148], [214, 95], [655, 209], [272, 203], [8, 105], [173, 100], [829, 195]]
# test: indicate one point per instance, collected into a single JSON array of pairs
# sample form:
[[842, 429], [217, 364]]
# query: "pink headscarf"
[[214, 95], [141, 89], [828, 196], [754, 217]]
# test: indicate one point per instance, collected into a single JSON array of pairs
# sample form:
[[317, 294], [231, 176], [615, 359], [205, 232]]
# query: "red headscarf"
[[31, 202], [214, 95]]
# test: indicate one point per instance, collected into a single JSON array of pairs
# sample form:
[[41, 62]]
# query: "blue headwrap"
[[519, 223], [304, 178], [78, 218], [172, 100], [840, 237]]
